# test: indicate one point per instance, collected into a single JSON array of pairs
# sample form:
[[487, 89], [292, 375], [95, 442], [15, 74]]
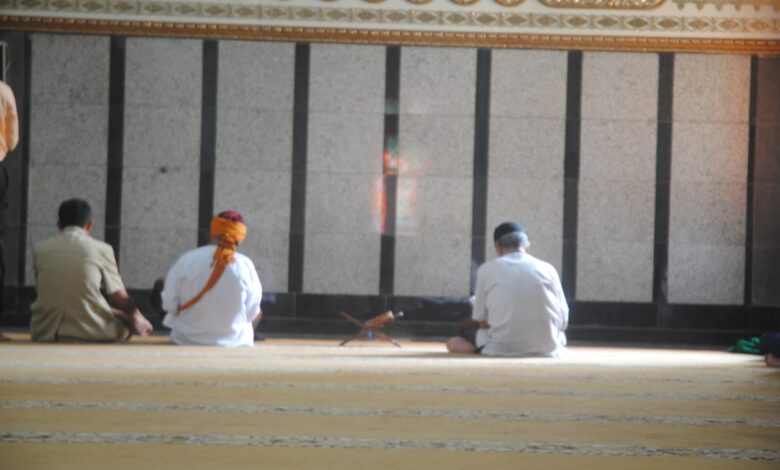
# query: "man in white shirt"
[[519, 306], [212, 294]]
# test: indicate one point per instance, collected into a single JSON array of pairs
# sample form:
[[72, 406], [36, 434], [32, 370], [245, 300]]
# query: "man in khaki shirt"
[[70, 269]]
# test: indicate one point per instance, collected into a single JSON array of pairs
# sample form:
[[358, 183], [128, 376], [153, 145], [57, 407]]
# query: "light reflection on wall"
[[405, 204]]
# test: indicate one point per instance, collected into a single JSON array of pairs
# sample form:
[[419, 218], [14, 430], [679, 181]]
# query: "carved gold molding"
[[418, 38], [593, 24], [737, 4], [605, 4], [578, 23]]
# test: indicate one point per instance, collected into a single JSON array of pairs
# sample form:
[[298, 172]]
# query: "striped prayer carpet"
[[310, 404]]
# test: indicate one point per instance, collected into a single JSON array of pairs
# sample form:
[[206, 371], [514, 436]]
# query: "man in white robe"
[[212, 294], [519, 306]]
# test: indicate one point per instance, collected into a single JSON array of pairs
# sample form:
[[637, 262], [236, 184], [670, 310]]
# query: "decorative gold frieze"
[[484, 20], [605, 4], [428, 38], [484, 27], [737, 4]]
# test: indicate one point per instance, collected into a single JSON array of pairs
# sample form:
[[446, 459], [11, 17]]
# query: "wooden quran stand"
[[372, 327]]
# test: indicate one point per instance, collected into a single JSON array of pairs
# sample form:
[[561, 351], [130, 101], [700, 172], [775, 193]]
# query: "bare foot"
[[772, 360], [458, 344], [4, 338], [140, 324]]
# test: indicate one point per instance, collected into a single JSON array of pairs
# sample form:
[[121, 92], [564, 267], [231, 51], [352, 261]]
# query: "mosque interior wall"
[[307, 139]]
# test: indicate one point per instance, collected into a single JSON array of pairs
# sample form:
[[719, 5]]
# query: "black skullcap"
[[506, 227]]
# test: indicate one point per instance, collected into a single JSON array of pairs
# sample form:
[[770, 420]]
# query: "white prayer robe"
[[223, 316], [521, 298]]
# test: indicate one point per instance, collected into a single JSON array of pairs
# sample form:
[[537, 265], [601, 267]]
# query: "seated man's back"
[[519, 305], [224, 316], [212, 294], [523, 298], [70, 270]]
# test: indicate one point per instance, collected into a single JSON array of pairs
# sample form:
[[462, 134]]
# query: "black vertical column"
[[390, 170], [116, 117], [480, 169], [24, 131], [571, 172], [299, 157], [751, 177], [208, 140], [663, 171]]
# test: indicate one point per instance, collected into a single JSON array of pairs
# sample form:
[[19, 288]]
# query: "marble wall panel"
[[617, 177], [255, 139], [433, 265], [619, 86], [254, 148], [527, 134], [347, 79], [711, 88], [537, 204], [163, 73], [436, 145], [344, 169], [706, 274], [342, 143], [68, 127], [709, 179], [340, 210], [438, 81], [528, 83], [766, 191], [161, 173], [527, 149], [616, 207], [69, 69], [256, 75], [767, 107], [149, 252], [433, 245], [436, 141], [616, 271]]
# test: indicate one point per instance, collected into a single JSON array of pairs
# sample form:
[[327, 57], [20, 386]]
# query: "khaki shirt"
[[70, 268]]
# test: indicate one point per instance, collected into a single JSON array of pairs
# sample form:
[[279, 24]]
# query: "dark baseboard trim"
[[296, 314]]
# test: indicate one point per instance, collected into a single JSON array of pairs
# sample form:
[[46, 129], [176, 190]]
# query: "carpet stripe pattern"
[[311, 404]]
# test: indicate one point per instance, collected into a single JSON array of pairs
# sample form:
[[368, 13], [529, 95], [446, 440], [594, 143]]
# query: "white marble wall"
[[527, 140], [344, 169], [615, 239], [69, 130], [160, 183], [254, 148], [436, 142], [709, 174]]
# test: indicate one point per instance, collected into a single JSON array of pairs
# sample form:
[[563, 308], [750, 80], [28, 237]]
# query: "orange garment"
[[230, 233], [9, 122]]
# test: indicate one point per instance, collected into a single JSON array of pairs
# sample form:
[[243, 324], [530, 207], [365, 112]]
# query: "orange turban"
[[229, 229]]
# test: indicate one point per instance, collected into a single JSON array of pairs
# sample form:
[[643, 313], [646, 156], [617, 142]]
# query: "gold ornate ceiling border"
[[737, 4], [418, 38]]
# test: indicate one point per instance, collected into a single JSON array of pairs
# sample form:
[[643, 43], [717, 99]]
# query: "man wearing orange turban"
[[212, 294]]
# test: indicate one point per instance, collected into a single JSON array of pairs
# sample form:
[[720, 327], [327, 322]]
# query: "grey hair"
[[514, 240]]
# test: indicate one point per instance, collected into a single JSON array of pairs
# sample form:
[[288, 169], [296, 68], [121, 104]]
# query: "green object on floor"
[[747, 346]]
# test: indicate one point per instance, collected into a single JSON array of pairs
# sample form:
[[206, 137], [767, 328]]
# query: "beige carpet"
[[309, 404]]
